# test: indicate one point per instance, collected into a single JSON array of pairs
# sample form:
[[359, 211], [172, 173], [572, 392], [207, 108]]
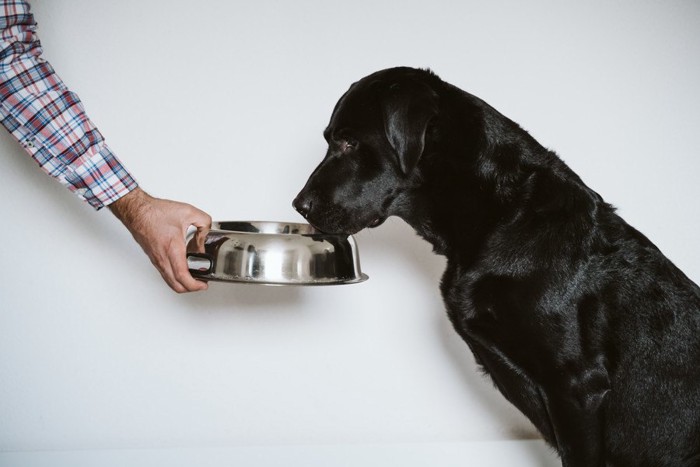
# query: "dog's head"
[[376, 136]]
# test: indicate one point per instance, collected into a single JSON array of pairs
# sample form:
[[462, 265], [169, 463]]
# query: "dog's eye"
[[341, 139], [348, 144]]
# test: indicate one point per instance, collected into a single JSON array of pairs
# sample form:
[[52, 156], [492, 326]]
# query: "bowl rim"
[[312, 231]]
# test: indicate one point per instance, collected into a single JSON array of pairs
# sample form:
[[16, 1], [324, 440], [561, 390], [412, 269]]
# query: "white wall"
[[222, 105]]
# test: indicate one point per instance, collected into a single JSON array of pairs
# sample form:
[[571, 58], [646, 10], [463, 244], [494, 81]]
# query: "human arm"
[[49, 120], [50, 123]]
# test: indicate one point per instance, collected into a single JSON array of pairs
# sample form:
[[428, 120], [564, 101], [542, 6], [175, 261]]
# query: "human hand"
[[160, 226]]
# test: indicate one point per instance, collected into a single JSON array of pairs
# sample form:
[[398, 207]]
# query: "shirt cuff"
[[100, 179]]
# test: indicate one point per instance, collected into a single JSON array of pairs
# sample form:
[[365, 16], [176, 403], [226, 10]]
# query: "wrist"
[[129, 206]]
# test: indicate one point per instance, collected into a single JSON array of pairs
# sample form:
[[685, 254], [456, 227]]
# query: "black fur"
[[581, 322]]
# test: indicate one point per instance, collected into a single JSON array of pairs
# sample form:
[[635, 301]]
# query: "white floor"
[[481, 454]]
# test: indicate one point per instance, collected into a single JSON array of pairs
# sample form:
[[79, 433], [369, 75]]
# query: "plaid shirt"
[[48, 120]]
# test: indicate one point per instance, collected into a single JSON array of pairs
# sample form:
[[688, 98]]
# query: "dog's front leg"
[[578, 426], [566, 406], [572, 425]]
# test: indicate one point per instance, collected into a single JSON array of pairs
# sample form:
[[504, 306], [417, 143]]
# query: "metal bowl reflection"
[[273, 253]]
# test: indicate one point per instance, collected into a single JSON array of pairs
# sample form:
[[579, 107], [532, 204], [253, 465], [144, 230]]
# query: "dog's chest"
[[486, 296], [498, 311]]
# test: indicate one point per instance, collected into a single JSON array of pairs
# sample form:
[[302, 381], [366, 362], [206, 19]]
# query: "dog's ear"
[[408, 107]]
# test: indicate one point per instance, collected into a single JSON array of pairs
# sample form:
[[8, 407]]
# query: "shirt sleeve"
[[49, 120]]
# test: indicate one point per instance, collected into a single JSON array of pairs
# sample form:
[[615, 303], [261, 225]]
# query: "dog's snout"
[[303, 205]]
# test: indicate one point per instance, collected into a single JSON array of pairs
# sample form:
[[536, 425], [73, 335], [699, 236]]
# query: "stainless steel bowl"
[[273, 253]]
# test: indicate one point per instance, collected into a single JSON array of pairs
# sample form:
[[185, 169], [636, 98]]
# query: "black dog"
[[578, 318]]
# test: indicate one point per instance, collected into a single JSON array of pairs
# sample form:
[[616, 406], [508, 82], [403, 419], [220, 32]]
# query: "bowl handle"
[[199, 264]]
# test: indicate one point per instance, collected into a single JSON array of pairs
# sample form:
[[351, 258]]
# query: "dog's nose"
[[302, 205]]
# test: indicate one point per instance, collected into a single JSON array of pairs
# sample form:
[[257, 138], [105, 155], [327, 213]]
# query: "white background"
[[222, 105]]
